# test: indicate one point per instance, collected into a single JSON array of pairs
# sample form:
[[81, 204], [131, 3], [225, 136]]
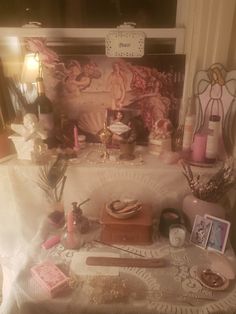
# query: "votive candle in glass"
[[177, 235]]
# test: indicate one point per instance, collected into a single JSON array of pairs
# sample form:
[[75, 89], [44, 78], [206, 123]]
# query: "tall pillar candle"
[[212, 146], [199, 147]]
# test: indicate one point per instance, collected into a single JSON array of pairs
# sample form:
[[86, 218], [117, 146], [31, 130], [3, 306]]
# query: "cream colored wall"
[[231, 64], [209, 33], [11, 55]]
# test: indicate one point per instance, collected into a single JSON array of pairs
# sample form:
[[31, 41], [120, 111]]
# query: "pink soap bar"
[[50, 242], [50, 277]]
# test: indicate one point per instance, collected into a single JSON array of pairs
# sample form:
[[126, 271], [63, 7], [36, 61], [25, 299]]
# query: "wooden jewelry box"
[[135, 230]]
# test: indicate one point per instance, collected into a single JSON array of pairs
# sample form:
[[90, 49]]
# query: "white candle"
[[82, 141], [177, 235]]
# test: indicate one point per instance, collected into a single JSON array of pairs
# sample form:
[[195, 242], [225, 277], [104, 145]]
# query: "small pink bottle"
[[71, 238]]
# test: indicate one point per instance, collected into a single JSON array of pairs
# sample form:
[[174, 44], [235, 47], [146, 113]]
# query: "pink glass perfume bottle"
[[71, 238]]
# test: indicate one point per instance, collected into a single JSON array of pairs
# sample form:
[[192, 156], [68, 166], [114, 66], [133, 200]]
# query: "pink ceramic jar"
[[193, 206]]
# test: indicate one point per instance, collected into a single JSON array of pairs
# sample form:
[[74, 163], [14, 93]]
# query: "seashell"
[[91, 122]]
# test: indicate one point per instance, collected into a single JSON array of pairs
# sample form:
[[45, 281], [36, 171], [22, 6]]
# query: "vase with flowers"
[[52, 181], [206, 194]]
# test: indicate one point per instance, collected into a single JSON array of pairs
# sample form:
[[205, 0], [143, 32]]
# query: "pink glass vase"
[[193, 206]]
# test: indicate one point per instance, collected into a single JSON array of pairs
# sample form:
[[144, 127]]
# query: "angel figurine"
[[29, 137], [214, 91]]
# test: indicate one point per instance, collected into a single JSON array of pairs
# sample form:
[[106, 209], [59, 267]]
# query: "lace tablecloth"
[[171, 289]]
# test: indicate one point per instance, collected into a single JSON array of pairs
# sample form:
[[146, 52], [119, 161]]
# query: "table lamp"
[[30, 71], [31, 68]]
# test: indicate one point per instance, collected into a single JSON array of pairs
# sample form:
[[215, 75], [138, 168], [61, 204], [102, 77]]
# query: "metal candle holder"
[[105, 136]]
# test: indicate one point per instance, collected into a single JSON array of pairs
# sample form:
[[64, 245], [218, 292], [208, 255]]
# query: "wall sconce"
[[30, 71]]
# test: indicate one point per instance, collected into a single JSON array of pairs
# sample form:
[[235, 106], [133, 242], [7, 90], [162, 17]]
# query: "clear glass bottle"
[[189, 126]]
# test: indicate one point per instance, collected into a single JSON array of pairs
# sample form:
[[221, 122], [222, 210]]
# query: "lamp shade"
[[30, 70]]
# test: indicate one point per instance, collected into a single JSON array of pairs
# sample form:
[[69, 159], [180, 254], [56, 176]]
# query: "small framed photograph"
[[219, 234], [118, 121], [201, 231], [121, 121]]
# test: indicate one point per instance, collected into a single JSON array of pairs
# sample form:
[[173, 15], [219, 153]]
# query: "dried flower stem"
[[214, 189]]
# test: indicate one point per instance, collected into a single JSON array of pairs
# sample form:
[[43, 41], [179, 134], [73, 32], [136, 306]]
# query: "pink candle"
[[70, 221], [76, 142], [199, 147]]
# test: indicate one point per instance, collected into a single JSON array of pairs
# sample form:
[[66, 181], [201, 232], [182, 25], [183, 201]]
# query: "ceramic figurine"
[[29, 137], [30, 128], [160, 136], [162, 129]]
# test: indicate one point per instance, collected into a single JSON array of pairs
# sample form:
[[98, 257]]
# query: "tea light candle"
[[177, 235]]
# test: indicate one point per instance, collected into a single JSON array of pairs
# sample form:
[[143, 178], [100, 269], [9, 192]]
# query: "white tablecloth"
[[23, 205]]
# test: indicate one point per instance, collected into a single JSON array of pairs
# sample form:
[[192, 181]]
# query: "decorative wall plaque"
[[125, 43]]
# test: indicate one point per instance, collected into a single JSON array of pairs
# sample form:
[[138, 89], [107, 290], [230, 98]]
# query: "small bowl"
[[213, 276], [122, 215]]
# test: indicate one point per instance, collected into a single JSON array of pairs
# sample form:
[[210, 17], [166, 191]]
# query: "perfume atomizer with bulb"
[[76, 225]]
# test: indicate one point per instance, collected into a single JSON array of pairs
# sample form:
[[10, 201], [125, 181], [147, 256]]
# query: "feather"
[[51, 178]]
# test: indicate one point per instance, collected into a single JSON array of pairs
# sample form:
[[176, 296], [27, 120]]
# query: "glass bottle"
[[177, 139], [71, 238], [212, 145], [189, 125], [44, 107]]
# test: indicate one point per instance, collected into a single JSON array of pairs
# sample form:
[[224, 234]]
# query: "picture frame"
[[201, 231], [218, 237], [121, 121]]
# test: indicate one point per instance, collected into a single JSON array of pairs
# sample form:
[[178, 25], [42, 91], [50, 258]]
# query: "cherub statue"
[[30, 129], [29, 139]]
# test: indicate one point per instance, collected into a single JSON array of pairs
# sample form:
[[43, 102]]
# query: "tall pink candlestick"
[[76, 142], [70, 221], [199, 147]]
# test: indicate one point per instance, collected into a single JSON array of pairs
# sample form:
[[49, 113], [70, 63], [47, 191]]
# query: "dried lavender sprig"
[[216, 186]]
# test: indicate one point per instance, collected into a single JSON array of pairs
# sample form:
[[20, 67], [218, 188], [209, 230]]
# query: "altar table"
[[24, 207]]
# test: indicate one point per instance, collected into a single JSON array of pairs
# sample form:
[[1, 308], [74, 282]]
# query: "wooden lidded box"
[[135, 230]]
